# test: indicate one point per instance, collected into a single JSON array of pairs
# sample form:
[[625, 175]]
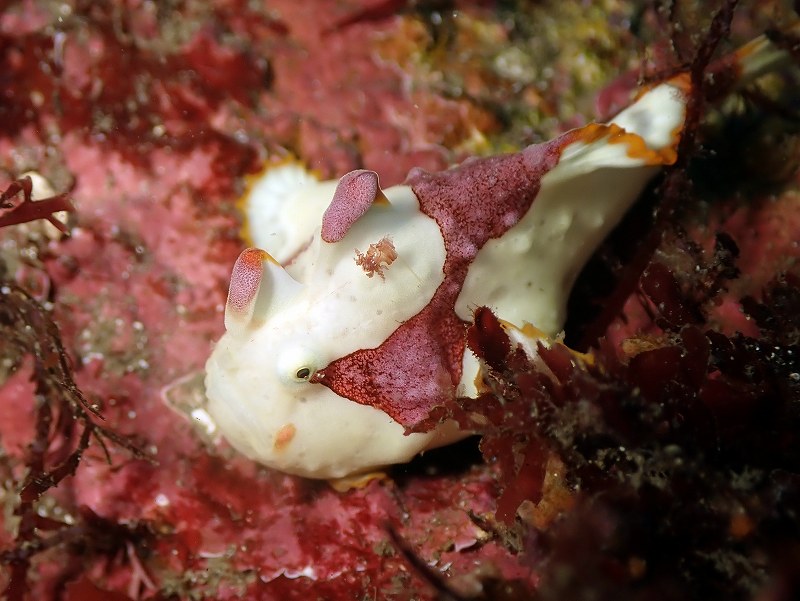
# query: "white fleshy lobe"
[[254, 382], [283, 209], [656, 116], [257, 383], [527, 274]]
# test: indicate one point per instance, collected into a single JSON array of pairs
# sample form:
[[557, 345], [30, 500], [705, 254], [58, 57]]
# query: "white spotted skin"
[[253, 394], [269, 414], [333, 437], [525, 276]]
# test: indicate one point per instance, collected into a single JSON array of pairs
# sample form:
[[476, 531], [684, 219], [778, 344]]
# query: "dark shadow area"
[[450, 460]]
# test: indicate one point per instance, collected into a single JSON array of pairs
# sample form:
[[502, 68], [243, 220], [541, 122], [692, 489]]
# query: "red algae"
[[153, 119], [25, 209], [151, 116]]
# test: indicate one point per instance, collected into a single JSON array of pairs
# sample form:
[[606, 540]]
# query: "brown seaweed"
[[65, 416]]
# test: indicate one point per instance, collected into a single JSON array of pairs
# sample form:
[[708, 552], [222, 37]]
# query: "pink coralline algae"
[[661, 465]]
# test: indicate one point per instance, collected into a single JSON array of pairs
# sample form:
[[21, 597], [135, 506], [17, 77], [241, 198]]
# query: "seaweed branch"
[[65, 423], [14, 211], [673, 468], [675, 186]]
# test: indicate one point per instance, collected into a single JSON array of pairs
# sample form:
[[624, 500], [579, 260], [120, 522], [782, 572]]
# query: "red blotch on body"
[[419, 365]]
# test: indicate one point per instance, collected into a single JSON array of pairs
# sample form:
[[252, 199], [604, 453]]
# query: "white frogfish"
[[349, 326]]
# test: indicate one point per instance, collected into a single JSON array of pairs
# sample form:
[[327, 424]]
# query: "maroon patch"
[[488, 340], [353, 197], [419, 365], [246, 279]]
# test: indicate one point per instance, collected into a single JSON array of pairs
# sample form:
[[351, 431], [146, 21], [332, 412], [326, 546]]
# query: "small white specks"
[[204, 420], [205, 554], [304, 572], [37, 98], [161, 500]]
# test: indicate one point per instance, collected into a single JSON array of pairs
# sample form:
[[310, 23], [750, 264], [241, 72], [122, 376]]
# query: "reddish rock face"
[[151, 118]]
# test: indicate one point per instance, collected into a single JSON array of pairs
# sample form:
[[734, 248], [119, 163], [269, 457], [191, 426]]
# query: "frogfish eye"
[[297, 364]]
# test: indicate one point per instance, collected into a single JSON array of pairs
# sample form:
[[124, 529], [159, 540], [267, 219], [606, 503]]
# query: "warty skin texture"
[[323, 367]]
